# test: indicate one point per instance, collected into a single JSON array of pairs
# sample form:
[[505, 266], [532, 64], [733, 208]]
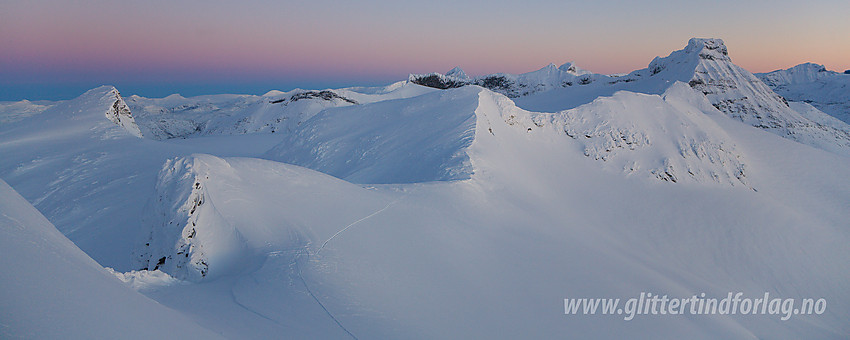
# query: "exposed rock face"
[[511, 85], [438, 81], [668, 138], [323, 95], [741, 95], [182, 222], [119, 113], [732, 89]]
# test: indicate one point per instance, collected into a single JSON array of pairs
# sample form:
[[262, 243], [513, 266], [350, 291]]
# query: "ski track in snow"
[[250, 310], [356, 222], [306, 251], [316, 298]]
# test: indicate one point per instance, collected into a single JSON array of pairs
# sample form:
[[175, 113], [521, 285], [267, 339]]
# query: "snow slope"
[[536, 221], [666, 137], [427, 138], [395, 141], [829, 91], [14, 111], [92, 177], [52, 290]]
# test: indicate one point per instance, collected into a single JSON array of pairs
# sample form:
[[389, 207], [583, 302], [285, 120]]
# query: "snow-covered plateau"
[[440, 207]]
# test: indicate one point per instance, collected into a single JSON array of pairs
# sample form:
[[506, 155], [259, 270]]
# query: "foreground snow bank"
[[222, 216], [142, 280], [51, 289]]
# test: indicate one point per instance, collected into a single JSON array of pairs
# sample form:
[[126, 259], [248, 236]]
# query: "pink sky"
[[323, 40]]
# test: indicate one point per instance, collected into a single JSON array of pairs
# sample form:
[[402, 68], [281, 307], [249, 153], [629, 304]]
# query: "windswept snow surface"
[[463, 213], [52, 290]]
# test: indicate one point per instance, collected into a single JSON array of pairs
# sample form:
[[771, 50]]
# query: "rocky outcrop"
[[323, 95], [512, 85], [183, 224], [119, 113]]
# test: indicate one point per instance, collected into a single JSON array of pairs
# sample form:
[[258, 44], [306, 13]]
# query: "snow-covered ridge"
[[427, 138], [803, 73], [704, 64], [211, 216], [418, 139], [828, 91], [511, 85], [176, 244], [194, 235], [287, 231], [664, 137], [274, 112], [179, 117], [668, 137], [15, 111]]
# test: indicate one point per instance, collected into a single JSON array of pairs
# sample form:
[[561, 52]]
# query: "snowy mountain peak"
[[812, 67], [803, 73], [457, 72], [680, 64], [571, 68], [119, 113], [708, 48], [705, 65], [274, 93], [812, 83]]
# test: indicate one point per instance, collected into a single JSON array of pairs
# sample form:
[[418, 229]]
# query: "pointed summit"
[[457, 72], [119, 113], [705, 65]]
